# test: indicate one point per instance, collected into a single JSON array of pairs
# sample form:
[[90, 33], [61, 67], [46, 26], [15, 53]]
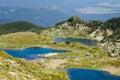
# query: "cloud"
[[12, 10], [107, 4], [54, 7], [97, 10], [101, 8]]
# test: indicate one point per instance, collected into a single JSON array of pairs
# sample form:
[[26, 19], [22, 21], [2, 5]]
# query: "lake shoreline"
[[102, 74]]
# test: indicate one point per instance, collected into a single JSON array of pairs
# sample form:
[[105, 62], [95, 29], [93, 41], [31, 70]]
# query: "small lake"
[[32, 53], [88, 74], [83, 41]]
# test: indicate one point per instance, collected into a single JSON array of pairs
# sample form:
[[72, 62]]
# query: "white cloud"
[[97, 10], [12, 10], [107, 4], [54, 7], [101, 8]]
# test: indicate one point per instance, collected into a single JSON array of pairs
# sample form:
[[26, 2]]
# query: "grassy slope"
[[78, 59], [13, 69], [69, 32], [19, 26], [30, 39], [23, 39]]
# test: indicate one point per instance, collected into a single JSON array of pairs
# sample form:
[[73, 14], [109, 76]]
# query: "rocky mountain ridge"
[[107, 34]]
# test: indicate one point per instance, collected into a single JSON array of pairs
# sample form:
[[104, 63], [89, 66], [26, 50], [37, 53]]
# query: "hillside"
[[17, 69], [112, 42], [73, 27], [94, 24], [53, 67], [106, 34], [23, 39], [19, 26], [113, 23], [72, 21]]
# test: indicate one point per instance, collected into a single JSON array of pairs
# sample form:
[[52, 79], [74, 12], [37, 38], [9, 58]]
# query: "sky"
[[79, 6], [85, 9]]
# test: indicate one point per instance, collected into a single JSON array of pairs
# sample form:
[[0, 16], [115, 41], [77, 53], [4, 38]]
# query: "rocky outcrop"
[[108, 35], [111, 42], [97, 34], [113, 48]]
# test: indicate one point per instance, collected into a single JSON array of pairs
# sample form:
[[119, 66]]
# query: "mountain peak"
[[75, 20], [72, 21]]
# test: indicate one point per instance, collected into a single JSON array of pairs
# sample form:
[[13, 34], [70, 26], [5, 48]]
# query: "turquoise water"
[[83, 41], [32, 53], [88, 74]]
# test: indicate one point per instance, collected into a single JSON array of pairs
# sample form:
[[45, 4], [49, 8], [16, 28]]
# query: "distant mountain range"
[[44, 17]]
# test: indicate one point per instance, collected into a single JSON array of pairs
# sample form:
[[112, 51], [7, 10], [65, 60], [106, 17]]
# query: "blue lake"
[[83, 41], [31, 53], [88, 74]]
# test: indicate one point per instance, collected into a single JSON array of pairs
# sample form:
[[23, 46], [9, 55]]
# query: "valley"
[[23, 35]]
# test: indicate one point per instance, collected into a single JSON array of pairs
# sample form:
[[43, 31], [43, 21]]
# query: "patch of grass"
[[14, 68], [23, 39]]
